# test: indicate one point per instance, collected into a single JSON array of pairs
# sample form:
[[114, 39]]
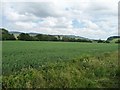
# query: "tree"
[[66, 39], [118, 41], [100, 41], [42, 37], [5, 35], [25, 37], [107, 41], [39, 37]]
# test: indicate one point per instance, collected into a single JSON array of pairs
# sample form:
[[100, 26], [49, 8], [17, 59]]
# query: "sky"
[[94, 19]]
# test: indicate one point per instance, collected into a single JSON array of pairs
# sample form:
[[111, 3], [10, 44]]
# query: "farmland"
[[59, 64]]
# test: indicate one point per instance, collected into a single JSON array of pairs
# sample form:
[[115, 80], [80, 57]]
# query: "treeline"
[[39, 37], [5, 35]]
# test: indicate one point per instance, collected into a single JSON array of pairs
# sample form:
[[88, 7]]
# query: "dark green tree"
[[5, 35], [25, 37], [100, 41], [42, 37], [118, 41], [65, 39], [39, 37]]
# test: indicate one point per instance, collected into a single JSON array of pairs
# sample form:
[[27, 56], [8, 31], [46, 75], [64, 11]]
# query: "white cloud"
[[14, 16], [26, 25], [48, 22], [91, 25]]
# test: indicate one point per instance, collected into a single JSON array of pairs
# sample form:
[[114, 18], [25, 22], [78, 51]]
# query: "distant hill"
[[113, 38], [110, 39], [17, 33], [72, 36], [34, 34], [77, 37], [14, 32]]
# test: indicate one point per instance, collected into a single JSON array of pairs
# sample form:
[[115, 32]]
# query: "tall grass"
[[83, 72]]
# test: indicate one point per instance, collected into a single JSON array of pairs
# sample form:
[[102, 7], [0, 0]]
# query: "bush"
[[118, 41], [100, 41]]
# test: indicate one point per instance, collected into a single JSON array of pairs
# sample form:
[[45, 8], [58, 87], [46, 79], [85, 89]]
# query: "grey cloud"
[[42, 9], [102, 10]]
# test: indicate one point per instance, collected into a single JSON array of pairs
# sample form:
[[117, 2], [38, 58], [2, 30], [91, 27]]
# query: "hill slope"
[[113, 39]]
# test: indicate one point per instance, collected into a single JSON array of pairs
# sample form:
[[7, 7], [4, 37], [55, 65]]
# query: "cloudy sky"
[[95, 19]]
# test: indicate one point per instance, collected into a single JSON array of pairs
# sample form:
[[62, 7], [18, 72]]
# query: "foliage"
[[67, 39], [5, 35], [41, 37], [25, 37], [107, 41], [82, 72], [100, 41], [118, 41]]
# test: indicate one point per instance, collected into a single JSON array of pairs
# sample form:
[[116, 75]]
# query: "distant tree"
[[11, 37], [25, 37], [90, 41], [118, 41], [107, 41], [66, 39], [21, 36], [42, 37], [84, 40], [4, 31], [100, 41], [52, 38], [5, 35], [39, 37]]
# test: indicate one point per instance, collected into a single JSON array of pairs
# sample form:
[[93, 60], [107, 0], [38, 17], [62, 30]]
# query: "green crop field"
[[59, 64]]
